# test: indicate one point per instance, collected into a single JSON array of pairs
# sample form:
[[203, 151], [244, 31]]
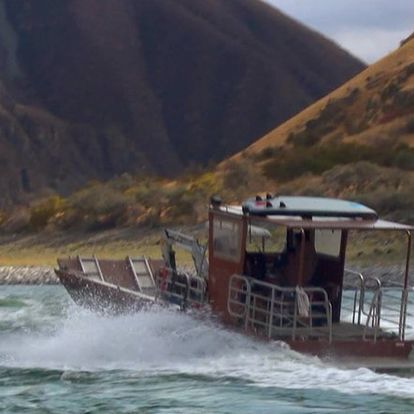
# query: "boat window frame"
[[235, 229]]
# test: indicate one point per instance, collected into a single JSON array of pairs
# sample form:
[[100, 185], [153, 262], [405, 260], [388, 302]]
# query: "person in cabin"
[[293, 253]]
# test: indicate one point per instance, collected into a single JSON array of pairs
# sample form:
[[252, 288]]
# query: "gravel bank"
[[28, 275]]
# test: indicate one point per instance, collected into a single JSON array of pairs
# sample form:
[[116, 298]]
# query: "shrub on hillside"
[[409, 126], [148, 193], [364, 177], [390, 90], [17, 221], [42, 212], [266, 153], [328, 121], [204, 184], [181, 203], [307, 137], [390, 191], [122, 182], [236, 175], [293, 163], [395, 205], [99, 206], [240, 179], [404, 159]]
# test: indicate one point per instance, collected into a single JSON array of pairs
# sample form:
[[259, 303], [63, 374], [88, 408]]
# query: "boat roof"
[[329, 223], [307, 207]]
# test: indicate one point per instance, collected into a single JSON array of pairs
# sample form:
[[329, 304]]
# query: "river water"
[[58, 358]]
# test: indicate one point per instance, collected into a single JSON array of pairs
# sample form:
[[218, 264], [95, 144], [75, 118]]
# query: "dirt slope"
[[374, 106]]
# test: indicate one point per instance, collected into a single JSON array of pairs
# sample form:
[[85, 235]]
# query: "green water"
[[57, 358]]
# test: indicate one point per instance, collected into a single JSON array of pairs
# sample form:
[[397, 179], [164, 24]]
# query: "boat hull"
[[107, 298], [102, 297], [385, 348]]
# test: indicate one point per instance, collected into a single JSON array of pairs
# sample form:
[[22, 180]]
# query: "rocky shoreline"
[[27, 275]]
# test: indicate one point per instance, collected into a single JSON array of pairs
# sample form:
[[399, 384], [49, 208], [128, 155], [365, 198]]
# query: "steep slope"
[[357, 142], [155, 85], [375, 106]]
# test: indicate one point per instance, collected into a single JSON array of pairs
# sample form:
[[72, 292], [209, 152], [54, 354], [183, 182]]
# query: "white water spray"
[[161, 342]]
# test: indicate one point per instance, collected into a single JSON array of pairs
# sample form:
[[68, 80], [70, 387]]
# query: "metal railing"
[[356, 301], [182, 288], [389, 312], [277, 312], [381, 309]]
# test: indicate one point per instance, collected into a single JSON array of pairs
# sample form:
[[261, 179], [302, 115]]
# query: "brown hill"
[[101, 87], [376, 105], [357, 142]]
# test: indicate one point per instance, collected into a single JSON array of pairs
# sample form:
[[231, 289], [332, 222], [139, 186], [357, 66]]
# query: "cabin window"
[[265, 238], [328, 242], [226, 239]]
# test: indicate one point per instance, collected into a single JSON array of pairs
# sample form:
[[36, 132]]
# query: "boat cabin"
[[277, 269]]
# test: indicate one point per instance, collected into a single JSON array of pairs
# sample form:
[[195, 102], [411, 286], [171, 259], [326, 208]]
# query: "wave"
[[158, 342]]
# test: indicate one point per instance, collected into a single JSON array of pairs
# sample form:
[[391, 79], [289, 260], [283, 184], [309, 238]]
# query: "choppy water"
[[57, 358]]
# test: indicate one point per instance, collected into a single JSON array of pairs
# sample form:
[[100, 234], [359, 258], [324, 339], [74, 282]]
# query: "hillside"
[[96, 88], [375, 105], [357, 142]]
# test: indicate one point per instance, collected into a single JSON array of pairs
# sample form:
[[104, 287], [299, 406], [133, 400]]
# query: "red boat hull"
[[355, 348], [102, 297]]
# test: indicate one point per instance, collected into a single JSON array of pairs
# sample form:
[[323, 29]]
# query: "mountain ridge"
[[356, 143], [148, 87]]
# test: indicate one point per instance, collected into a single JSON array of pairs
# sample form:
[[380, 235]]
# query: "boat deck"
[[348, 330], [342, 331]]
